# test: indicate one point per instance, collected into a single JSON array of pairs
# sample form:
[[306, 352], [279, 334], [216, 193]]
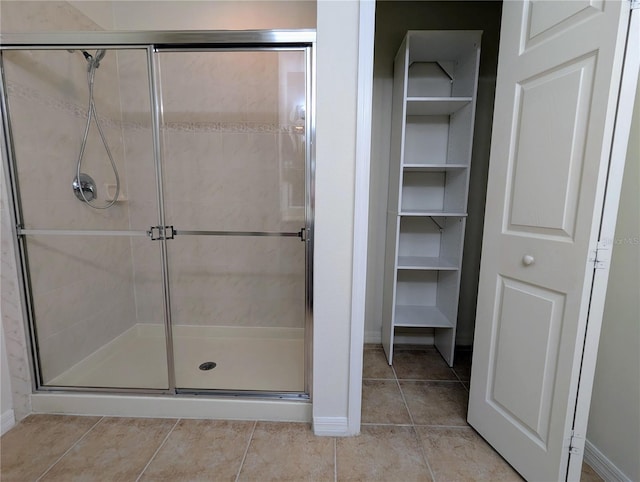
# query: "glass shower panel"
[[234, 157], [94, 274]]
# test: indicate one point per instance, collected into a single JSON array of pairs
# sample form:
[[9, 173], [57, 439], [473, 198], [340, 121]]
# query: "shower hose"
[[92, 113]]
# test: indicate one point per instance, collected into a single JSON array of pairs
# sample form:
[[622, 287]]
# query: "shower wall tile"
[[12, 314], [47, 142], [82, 294], [134, 86], [42, 16], [237, 282], [147, 281]]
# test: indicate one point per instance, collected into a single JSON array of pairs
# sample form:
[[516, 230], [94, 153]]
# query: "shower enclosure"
[[162, 186]]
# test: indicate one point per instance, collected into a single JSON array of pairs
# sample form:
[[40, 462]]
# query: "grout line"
[[424, 454], [404, 400], [335, 459], [246, 450], [445, 426], [380, 379], [375, 424], [458, 376], [158, 449], [430, 380], [415, 431], [69, 449]]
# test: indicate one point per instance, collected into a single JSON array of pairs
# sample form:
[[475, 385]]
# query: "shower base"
[[257, 359]]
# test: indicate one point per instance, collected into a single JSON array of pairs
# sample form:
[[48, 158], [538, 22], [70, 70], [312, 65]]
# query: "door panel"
[[558, 75], [522, 390], [234, 167], [548, 158], [96, 302], [545, 20]]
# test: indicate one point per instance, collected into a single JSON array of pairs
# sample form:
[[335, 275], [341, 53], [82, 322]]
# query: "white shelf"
[[434, 167], [433, 213], [421, 317], [427, 263], [436, 105]]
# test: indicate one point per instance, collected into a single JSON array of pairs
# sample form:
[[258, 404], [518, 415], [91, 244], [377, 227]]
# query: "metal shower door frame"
[[154, 43]]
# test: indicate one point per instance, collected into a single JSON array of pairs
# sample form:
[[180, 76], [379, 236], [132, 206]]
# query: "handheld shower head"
[[94, 60]]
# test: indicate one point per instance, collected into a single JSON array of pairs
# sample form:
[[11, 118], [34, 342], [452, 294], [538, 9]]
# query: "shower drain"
[[208, 365]]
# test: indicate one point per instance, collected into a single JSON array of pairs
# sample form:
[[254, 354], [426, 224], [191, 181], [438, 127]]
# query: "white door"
[[558, 76]]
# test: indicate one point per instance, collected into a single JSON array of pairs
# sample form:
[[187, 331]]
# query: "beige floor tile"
[[201, 450], [425, 364], [436, 403], [33, 445], [383, 453], [375, 365], [460, 454], [589, 475], [288, 451], [382, 403], [116, 449]]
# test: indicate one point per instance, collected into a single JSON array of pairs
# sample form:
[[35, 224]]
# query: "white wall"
[[337, 62], [393, 19], [213, 15], [614, 419]]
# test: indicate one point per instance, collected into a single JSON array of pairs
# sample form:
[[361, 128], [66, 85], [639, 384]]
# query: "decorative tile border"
[[30, 94]]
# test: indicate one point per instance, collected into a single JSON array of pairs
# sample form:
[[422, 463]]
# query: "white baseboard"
[[7, 421], [602, 465], [331, 426]]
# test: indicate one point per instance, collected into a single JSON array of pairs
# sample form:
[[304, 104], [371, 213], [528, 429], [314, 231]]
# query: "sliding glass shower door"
[[234, 166], [162, 196], [93, 276]]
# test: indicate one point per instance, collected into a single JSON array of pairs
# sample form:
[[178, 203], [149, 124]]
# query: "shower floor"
[[270, 359]]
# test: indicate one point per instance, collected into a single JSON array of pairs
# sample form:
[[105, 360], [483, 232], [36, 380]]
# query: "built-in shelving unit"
[[434, 96]]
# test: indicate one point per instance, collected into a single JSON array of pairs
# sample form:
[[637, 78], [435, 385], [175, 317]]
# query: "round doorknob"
[[527, 260]]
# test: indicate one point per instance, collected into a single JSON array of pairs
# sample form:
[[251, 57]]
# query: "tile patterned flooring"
[[413, 429]]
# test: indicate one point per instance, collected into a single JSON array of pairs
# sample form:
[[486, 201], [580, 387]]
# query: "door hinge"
[[601, 256], [635, 4], [576, 444], [161, 233]]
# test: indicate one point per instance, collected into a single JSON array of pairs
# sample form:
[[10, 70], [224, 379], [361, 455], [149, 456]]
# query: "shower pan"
[[194, 276]]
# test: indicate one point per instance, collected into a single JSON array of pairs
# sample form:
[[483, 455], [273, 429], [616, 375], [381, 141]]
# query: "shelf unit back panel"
[[428, 289], [428, 77], [426, 139], [456, 50], [417, 288], [418, 236], [434, 191], [421, 236]]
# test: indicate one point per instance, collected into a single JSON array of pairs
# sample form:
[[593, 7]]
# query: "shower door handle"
[[161, 233], [284, 234]]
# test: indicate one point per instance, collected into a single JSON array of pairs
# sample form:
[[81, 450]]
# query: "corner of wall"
[[601, 465]]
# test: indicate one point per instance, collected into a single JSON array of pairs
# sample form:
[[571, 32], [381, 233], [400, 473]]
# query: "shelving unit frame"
[[434, 100]]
